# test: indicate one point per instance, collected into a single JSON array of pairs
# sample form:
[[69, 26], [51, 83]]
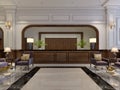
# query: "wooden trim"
[[81, 33], [29, 26], [2, 39]]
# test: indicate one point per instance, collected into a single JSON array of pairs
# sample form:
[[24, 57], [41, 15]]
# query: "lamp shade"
[[7, 49], [114, 49], [30, 40], [92, 40]]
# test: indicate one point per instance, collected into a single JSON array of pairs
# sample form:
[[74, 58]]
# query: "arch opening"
[[40, 31]]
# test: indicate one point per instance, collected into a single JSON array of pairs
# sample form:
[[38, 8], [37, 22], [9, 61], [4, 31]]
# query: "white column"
[[10, 37], [111, 28]]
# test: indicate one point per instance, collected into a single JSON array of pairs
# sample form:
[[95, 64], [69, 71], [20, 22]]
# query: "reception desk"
[[61, 56]]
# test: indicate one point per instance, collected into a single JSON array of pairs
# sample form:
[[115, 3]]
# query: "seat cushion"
[[2, 59], [101, 63], [3, 64], [24, 62], [117, 64], [98, 57]]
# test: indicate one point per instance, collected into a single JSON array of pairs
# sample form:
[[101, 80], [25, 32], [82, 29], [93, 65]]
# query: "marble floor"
[[113, 78], [61, 79], [9, 77]]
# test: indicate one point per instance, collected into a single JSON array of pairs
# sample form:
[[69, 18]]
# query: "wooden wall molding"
[[81, 33], [2, 40], [29, 26]]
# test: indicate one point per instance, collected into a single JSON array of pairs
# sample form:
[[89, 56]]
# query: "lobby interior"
[[54, 39]]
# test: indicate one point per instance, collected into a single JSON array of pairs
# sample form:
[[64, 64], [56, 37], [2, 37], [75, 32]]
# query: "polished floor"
[[61, 79], [8, 78]]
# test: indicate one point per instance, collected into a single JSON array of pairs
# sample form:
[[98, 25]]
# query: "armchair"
[[3, 64], [117, 62], [97, 60], [25, 60]]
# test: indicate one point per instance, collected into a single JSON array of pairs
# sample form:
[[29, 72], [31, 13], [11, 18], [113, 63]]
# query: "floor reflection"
[[112, 78], [8, 77]]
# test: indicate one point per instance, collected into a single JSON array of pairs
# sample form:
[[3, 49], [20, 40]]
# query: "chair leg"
[[28, 67], [15, 67], [33, 65], [90, 65]]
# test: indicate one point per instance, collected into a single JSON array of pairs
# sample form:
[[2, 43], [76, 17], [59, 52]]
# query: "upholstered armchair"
[[3, 63], [97, 60], [117, 61], [25, 60]]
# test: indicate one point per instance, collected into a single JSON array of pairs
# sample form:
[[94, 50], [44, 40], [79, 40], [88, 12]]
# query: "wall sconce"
[[30, 42], [92, 43], [112, 25], [8, 24]]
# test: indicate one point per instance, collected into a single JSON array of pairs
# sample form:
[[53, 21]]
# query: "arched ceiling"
[[59, 3]]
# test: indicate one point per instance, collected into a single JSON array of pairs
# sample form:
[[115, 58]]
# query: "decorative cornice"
[[61, 8]]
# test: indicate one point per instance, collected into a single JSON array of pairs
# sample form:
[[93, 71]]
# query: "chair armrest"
[[17, 59], [105, 59], [2, 60], [30, 60], [118, 59], [93, 60]]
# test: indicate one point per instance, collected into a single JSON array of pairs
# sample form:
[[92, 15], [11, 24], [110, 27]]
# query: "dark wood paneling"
[[1, 39], [79, 57], [70, 56], [1, 46], [61, 57], [44, 57], [61, 43]]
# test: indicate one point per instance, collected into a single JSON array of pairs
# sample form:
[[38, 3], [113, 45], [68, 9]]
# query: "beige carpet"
[[61, 79]]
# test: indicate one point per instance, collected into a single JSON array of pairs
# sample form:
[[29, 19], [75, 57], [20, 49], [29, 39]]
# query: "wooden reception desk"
[[61, 56]]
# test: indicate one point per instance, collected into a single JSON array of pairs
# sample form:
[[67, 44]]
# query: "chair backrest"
[[118, 55], [95, 52], [27, 52], [2, 60]]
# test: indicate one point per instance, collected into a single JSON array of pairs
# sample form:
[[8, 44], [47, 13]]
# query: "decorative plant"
[[81, 43], [39, 43]]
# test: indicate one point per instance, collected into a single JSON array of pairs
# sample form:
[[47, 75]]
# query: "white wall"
[[69, 16], [95, 17]]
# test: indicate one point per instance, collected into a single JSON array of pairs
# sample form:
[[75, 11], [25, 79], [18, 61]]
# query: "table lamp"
[[92, 43], [30, 41], [114, 50], [7, 50]]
